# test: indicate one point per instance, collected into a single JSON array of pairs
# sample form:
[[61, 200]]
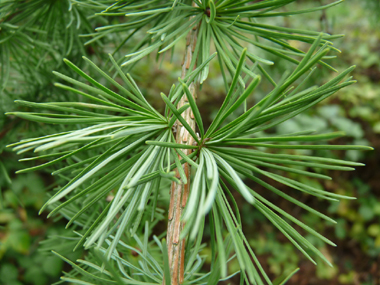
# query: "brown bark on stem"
[[180, 192]]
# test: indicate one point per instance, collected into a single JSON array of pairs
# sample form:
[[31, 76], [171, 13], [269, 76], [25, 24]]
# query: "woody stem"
[[179, 192]]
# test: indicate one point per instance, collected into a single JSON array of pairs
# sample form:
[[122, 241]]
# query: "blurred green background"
[[355, 110]]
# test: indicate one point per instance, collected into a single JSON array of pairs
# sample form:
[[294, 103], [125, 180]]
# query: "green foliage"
[[214, 151], [115, 154], [226, 24], [22, 230], [35, 37]]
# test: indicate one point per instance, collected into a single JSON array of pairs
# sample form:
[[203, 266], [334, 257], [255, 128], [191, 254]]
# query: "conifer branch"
[[179, 192]]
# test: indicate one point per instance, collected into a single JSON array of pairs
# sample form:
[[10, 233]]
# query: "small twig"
[[179, 192]]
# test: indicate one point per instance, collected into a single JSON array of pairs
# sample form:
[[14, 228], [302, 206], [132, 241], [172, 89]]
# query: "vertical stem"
[[180, 192]]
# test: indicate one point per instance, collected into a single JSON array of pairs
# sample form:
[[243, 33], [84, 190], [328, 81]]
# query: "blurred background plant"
[[355, 110]]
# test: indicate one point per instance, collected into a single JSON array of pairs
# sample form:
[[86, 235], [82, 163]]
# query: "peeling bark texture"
[[180, 192]]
